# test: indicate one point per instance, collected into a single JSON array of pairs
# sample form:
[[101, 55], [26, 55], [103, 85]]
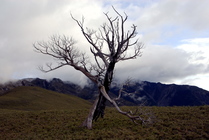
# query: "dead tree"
[[109, 45]]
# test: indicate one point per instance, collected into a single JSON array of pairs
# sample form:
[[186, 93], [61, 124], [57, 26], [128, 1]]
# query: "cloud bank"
[[175, 34]]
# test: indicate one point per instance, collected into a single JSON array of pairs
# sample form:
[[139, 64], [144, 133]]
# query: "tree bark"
[[96, 111], [88, 121], [99, 105], [99, 112]]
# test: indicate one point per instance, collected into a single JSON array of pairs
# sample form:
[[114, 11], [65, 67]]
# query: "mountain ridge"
[[144, 92]]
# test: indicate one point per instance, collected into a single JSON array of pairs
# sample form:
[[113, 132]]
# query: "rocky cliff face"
[[168, 95], [148, 93]]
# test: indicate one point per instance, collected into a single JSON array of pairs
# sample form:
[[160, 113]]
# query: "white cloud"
[[198, 48], [163, 27], [200, 80], [190, 60]]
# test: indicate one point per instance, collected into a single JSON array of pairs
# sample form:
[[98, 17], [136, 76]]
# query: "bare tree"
[[109, 45]]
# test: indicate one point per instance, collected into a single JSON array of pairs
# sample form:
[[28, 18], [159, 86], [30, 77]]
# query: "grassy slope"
[[174, 123], [35, 98], [62, 121]]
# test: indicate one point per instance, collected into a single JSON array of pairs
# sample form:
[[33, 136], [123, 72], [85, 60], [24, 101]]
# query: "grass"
[[35, 98], [173, 123]]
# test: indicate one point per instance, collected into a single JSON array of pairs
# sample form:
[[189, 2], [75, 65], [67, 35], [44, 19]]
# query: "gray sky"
[[175, 34]]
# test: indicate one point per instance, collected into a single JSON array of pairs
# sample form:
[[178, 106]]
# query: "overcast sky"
[[175, 34]]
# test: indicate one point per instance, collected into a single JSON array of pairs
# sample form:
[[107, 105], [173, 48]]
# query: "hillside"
[[29, 112], [36, 98], [172, 123]]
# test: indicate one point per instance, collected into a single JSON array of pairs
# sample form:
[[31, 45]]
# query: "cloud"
[[190, 60], [175, 34], [169, 20], [25, 22], [198, 49]]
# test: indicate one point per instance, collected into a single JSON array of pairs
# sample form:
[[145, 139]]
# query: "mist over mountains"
[[144, 92]]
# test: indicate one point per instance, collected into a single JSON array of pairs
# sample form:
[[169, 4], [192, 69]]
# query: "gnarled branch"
[[62, 49], [133, 116]]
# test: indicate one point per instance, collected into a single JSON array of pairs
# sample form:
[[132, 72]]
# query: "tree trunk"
[[100, 108], [99, 105], [96, 111], [99, 112], [88, 122]]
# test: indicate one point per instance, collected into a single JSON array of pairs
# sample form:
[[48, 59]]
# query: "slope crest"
[[36, 98]]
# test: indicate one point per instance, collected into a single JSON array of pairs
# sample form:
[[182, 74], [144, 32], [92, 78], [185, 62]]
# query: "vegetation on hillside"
[[35, 98], [174, 123], [60, 118]]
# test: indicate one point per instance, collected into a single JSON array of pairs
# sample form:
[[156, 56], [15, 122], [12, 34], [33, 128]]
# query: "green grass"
[[173, 123], [57, 123], [35, 98]]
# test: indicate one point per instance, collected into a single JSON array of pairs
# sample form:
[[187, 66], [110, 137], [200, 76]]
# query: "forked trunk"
[[96, 111], [99, 105]]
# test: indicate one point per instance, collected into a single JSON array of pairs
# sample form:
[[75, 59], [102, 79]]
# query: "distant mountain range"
[[148, 93]]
